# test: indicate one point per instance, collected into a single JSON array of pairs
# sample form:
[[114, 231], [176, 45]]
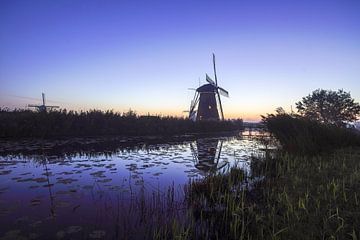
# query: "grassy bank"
[[297, 198], [308, 190], [25, 123]]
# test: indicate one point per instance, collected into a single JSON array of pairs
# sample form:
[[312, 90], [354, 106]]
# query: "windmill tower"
[[43, 107], [204, 105]]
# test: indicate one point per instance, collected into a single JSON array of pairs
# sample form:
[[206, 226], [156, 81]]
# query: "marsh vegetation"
[[306, 189], [54, 124]]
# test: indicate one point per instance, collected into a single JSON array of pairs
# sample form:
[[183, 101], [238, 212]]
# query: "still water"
[[107, 194]]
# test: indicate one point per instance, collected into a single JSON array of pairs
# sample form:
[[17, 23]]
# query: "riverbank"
[[19, 124], [288, 197], [307, 189]]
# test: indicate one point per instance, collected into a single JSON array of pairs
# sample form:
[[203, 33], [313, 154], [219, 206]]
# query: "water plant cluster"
[[63, 123]]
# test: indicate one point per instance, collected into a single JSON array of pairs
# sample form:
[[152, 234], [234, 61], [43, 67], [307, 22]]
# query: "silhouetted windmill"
[[43, 107], [204, 106]]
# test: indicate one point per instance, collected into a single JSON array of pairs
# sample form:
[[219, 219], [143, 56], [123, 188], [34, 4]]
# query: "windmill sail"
[[214, 68], [192, 116], [209, 80], [223, 92], [217, 90]]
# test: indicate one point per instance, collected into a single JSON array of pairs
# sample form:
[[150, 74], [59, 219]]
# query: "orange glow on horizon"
[[252, 116], [248, 114]]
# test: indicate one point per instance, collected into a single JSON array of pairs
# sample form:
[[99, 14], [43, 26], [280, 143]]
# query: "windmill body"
[[43, 107], [207, 107], [206, 104]]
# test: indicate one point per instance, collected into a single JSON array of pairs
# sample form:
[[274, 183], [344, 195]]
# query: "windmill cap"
[[206, 88]]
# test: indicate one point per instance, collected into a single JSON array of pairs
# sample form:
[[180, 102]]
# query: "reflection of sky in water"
[[83, 191]]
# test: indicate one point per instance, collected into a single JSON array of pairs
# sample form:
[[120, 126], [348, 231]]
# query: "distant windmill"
[[43, 107], [204, 106]]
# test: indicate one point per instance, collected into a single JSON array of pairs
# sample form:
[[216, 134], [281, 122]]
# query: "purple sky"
[[145, 54]]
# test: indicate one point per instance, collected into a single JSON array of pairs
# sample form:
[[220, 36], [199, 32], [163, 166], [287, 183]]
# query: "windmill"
[[204, 105], [206, 154], [43, 107]]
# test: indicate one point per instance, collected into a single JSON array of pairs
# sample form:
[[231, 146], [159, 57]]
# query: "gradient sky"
[[144, 55]]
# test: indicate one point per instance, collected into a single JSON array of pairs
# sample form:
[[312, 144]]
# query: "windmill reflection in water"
[[206, 154]]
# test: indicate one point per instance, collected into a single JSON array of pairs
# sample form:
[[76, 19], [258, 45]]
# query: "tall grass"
[[301, 135], [308, 190], [25, 123], [299, 197]]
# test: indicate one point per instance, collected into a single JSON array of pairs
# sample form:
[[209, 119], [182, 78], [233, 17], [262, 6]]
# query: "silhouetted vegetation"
[[291, 197], [329, 107], [63, 123], [303, 135], [321, 125], [309, 189]]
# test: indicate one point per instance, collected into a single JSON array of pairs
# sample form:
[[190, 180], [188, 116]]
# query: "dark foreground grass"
[[309, 189], [25, 123], [297, 198]]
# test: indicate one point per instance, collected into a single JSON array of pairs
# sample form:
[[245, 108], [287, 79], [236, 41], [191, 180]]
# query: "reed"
[[63, 123], [304, 136], [308, 189], [299, 197]]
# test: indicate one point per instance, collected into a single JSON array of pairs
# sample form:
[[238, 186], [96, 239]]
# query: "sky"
[[144, 55]]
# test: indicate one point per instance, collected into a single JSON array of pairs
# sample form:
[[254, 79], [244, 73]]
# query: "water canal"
[[107, 193]]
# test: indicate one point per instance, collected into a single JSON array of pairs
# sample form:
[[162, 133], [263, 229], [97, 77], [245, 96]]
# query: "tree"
[[330, 107]]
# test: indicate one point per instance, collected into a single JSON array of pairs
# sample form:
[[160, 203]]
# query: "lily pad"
[[88, 187], [67, 180], [73, 229], [98, 174], [48, 185], [60, 234], [39, 180], [33, 236], [35, 202], [97, 234], [27, 173], [36, 224], [5, 172], [13, 234], [104, 180]]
